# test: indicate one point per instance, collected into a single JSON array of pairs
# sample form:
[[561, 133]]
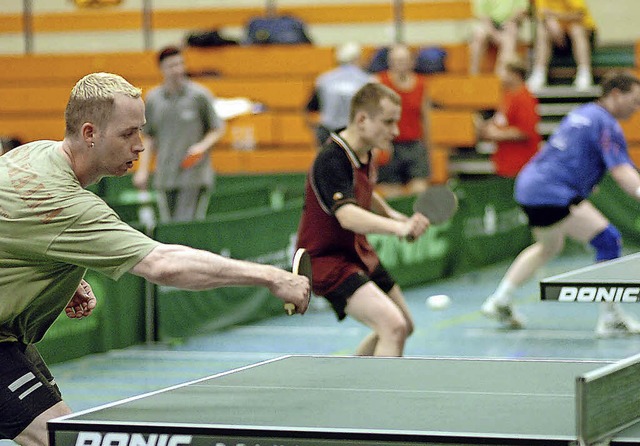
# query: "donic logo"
[[598, 294], [123, 439]]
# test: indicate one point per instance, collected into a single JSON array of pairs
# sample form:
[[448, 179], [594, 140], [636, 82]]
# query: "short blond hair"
[[368, 99], [92, 99]]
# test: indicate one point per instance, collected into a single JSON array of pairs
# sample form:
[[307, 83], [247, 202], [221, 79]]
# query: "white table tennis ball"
[[438, 301]]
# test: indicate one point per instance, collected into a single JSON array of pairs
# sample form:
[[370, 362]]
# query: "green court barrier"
[[113, 187], [284, 181], [263, 235], [620, 208], [428, 258], [73, 338], [117, 322], [489, 227], [232, 201], [232, 193]]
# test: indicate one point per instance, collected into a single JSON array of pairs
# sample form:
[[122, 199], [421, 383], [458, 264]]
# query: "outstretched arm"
[[193, 269]]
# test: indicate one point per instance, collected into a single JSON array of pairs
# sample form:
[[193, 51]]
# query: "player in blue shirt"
[[553, 188]]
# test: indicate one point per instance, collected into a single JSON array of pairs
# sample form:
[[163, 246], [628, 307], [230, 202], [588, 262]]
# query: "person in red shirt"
[[514, 126], [341, 208], [408, 167]]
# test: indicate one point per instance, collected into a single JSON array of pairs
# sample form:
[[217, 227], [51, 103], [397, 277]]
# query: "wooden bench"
[[261, 61], [455, 99], [270, 130], [631, 129], [263, 161], [216, 17], [65, 69]]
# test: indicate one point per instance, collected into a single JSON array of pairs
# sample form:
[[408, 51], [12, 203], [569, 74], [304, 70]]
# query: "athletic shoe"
[[583, 81], [502, 313], [616, 324], [536, 81]]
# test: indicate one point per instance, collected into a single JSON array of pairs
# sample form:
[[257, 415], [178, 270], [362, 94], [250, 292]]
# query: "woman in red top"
[[514, 126], [408, 167]]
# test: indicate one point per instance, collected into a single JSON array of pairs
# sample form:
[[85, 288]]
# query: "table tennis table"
[[615, 280], [338, 400]]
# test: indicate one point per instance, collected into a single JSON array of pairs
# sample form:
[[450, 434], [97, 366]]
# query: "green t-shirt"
[[51, 231], [499, 11]]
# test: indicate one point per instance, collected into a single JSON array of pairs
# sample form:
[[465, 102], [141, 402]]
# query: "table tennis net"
[[607, 400]]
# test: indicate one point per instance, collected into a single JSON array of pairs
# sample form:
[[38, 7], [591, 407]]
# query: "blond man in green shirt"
[[52, 230]]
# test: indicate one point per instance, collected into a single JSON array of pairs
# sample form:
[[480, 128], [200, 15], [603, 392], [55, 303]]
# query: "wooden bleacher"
[[34, 88], [34, 92], [215, 17], [455, 98], [631, 130]]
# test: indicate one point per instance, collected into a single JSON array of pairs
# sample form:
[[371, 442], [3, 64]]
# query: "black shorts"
[[543, 216], [409, 161], [27, 388], [338, 297]]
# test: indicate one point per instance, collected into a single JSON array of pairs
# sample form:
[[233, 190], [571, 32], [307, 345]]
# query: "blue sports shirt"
[[588, 143]]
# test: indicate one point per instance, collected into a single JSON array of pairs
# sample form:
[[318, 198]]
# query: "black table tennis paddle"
[[437, 203]]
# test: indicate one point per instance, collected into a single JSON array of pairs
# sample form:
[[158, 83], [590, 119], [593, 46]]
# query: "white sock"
[[504, 291], [608, 309], [538, 72], [583, 70]]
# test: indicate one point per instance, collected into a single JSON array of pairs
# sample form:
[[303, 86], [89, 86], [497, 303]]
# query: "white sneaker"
[[583, 81], [503, 313], [536, 81], [616, 324]]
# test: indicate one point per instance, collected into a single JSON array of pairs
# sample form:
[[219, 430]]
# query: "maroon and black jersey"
[[337, 177]]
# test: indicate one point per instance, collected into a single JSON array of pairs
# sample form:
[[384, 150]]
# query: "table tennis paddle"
[[437, 203], [191, 160], [302, 266]]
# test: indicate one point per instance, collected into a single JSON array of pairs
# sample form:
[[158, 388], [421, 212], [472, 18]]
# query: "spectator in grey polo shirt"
[[181, 130], [333, 92]]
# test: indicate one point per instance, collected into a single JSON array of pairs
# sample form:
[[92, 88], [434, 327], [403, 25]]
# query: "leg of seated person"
[[538, 78], [582, 54], [506, 46], [478, 47]]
